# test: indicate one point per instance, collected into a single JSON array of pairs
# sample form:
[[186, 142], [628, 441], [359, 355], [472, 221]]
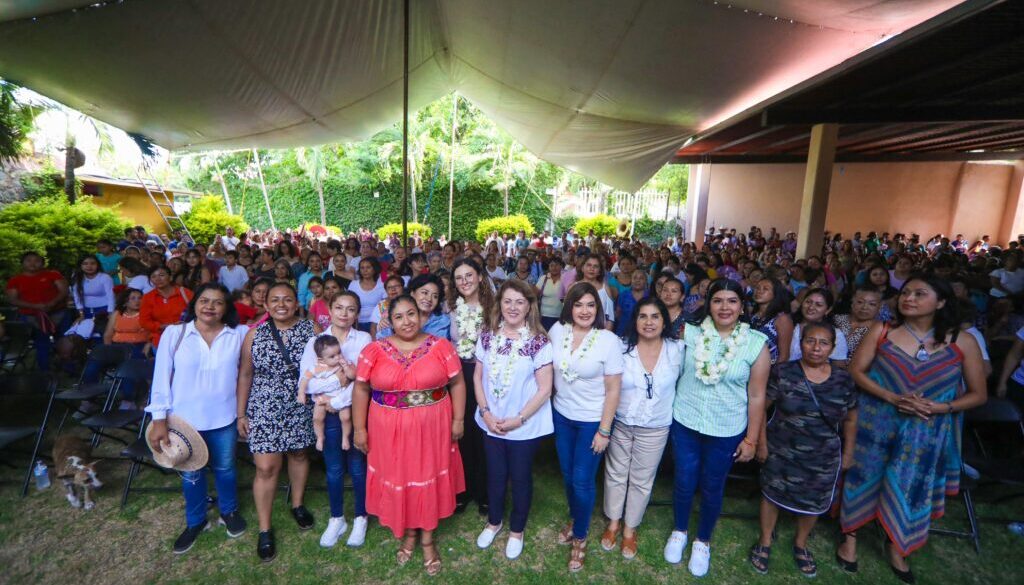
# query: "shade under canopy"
[[608, 88]]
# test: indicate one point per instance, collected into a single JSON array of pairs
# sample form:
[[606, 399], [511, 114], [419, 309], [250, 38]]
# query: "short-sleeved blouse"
[[719, 410], [636, 408], [384, 366], [508, 400], [599, 355]]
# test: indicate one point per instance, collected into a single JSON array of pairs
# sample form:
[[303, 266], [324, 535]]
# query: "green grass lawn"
[[44, 540]]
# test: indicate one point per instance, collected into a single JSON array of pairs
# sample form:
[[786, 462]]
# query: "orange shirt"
[[158, 310], [128, 329]]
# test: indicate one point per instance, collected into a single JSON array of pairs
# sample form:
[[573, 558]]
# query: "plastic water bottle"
[[42, 475]]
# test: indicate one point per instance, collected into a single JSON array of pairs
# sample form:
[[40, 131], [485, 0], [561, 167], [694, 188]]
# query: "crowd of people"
[[844, 374]]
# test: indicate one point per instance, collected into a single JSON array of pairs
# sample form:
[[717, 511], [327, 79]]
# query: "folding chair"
[[139, 373], [15, 346], [28, 385], [138, 454], [967, 484], [996, 470], [108, 357]]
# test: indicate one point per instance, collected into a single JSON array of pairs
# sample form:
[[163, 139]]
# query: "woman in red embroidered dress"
[[407, 410]]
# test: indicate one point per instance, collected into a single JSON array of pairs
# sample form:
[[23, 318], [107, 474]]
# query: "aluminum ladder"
[[161, 201]]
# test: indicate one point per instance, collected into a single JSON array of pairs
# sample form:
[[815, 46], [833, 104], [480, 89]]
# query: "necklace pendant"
[[922, 354]]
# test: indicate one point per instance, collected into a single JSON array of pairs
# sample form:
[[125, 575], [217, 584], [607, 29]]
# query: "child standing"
[[324, 384]]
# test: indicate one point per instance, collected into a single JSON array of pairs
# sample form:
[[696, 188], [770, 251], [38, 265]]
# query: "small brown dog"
[[69, 457]]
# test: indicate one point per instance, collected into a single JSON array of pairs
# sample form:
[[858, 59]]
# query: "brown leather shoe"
[[565, 535], [578, 554], [608, 539], [629, 546]]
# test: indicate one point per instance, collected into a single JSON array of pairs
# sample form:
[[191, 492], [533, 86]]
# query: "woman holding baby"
[[335, 353]]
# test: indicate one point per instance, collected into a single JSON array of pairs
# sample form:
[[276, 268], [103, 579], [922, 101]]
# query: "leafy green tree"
[[15, 123], [511, 224], [603, 225], [209, 216]]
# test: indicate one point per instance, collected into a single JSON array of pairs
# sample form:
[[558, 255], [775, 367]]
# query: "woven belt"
[[410, 398]]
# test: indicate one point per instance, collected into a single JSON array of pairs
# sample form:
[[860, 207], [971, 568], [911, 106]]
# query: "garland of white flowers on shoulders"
[[469, 318], [568, 374], [501, 378], [711, 368]]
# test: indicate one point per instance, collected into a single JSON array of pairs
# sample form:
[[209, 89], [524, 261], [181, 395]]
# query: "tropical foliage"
[[387, 229], [61, 231], [603, 225], [209, 216], [511, 224]]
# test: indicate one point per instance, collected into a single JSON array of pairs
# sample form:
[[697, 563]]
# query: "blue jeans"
[[92, 371], [579, 468], [336, 460], [221, 445], [700, 461], [510, 461]]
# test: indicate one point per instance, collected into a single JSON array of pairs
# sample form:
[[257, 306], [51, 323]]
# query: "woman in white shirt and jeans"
[[195, 377], [512, 384], [652, 362], [588, 373]]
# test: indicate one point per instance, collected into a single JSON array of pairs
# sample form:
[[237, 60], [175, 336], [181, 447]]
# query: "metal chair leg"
[[52, 389], [133, 470], [973, 520]]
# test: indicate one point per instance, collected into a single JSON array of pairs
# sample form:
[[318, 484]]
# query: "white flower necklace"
[[568, 374], [469, 318], [501, 379], [711, 368]]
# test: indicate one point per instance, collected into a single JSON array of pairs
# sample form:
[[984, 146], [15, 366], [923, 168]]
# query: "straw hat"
[[187, 450]]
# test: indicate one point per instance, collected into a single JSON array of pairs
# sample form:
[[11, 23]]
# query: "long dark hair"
[[78, 277], [632, 337], [423, 280], [230, 317], [947, 318], [780, 299], [576, 292], [718, 285], [192, 276], [830, 302], [121, 303]]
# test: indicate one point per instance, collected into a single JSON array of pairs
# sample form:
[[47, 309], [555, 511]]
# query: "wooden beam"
[[817, 183]]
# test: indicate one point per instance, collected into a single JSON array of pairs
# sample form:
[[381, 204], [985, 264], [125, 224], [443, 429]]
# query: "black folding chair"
[[28, 386], [15, 346], [999, 414], [75, 399], [967, 485], [139, 373]]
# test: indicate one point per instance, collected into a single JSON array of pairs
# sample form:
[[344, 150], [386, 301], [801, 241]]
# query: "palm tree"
[[15, 123], [314, 165], [497, 159]]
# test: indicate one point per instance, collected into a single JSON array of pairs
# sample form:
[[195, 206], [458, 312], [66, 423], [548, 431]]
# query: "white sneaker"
[[358, 535], [513, 548], [487, 536], [335, 528], [700, 558], [674, 547]]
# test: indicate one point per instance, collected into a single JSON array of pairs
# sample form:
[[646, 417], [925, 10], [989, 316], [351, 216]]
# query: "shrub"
[[61, 231], [14, 243], [208, 217], [511, 224], [46, 182], [603, 225], [396, 228], [654, 230], [565, 223]]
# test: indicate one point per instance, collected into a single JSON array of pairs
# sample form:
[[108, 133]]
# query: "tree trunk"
[[263, 184], [323, 208], [223, 185], [412, 192], [70, 159]]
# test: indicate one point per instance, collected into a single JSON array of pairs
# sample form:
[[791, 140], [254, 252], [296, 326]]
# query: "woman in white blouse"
[[512, 384], [650, 372], [588, 373], [344, 309], [195, 377]]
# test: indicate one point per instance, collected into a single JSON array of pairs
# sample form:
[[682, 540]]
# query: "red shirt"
[[38, 288], [245, 312]]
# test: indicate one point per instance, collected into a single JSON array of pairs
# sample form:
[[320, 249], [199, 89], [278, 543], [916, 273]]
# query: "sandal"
[[608, 539], [578, 554], [433, 564], [759, 556], [848, 566], [405, 554], [629, 546], [565, 535], [805, 562]]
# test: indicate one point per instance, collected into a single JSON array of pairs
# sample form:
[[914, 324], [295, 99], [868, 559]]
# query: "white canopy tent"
[[608, 88]]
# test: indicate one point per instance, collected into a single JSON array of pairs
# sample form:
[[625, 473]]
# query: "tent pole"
[[263, 184], [223, 185], [405, 126], [451, 174]]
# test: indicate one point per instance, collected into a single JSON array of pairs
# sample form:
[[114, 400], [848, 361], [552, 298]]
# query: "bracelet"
[[950, 405], [484, 410], [749, 442], [604, 432], [522, 419]]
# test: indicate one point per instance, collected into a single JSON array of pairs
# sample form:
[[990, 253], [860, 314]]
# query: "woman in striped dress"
[[907, 454]]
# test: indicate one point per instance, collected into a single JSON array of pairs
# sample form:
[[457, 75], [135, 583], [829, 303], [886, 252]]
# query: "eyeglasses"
[[649, 378]]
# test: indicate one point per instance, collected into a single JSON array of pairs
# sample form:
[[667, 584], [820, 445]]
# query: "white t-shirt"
[[635, 407], [140, 282], [598, 356], [497, 274], [233, 278], [367, 298], [535, 354], [607, 304], [229, 242], [981, 342], [1012, 281], [840, 352], [354, 343]]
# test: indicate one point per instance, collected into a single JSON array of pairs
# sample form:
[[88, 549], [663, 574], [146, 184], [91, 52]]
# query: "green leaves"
[[396, 228], [511, 224], [603, 225], [208, 217]]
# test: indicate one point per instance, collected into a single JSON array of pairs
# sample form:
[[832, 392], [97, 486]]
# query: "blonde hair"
[[525, 289]]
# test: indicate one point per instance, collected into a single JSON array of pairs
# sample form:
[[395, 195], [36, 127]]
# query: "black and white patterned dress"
[[277, 422]]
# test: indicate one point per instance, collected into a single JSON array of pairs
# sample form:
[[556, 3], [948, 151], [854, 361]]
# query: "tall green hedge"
[[511, 224]]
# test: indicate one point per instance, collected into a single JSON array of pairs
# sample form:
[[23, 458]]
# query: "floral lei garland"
[[709, 369], [469, 319], [501, 380], [568, 374]]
